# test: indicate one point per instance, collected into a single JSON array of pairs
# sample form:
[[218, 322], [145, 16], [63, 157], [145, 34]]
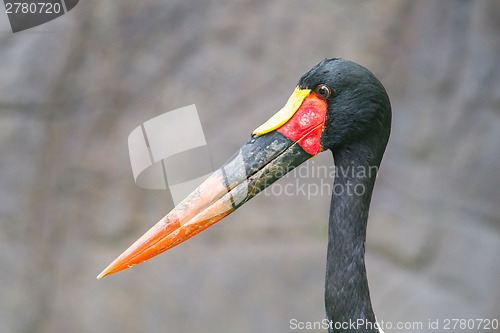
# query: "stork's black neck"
[[347, 296]]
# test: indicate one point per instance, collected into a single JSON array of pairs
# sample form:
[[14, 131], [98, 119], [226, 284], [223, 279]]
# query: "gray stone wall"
[[73, 89]]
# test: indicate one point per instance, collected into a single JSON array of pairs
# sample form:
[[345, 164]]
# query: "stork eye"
[[323, 91]]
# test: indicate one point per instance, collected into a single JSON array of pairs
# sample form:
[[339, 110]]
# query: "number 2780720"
[[33, 8]]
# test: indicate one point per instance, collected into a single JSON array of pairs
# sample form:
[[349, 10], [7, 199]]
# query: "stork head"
[[336, 104]]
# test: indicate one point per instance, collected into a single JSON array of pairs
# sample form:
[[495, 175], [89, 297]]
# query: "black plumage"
[[357, 129]]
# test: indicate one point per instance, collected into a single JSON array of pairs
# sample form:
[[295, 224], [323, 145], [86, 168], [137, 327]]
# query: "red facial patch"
[[306, 124]]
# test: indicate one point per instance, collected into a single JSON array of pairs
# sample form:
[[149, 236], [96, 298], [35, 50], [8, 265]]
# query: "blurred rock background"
[[73, 89]]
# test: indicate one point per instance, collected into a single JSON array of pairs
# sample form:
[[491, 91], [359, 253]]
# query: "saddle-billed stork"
[[337, 105]]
